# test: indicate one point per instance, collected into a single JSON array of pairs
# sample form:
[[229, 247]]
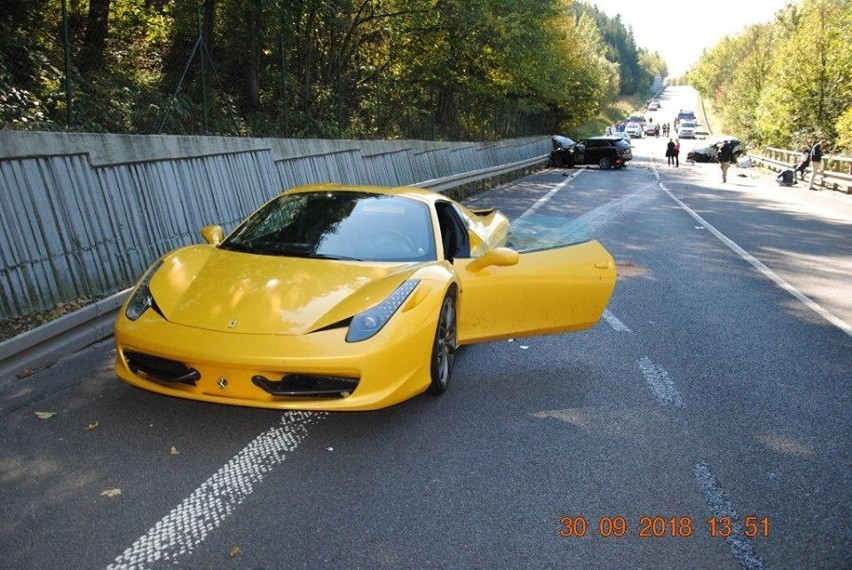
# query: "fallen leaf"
[[329, 449], [235, 551], [173, 451], [92, 425], [524, 347], [45, 415], [111, 492]]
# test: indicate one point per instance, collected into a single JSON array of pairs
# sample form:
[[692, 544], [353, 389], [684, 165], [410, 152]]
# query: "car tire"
[[605, 163], [444, 346]]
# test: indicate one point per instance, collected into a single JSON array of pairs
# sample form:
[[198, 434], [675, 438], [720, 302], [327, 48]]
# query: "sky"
[[679, 30]]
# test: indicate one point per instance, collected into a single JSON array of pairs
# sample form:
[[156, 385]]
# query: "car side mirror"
[[499, 256], [213, 235]]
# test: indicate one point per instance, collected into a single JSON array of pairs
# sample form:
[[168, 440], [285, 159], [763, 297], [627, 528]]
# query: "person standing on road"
[[726, 157], [816, 162], [670, 151], [677, 153]]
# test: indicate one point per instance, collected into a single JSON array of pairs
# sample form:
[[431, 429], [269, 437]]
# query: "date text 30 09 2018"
[[659, 527]]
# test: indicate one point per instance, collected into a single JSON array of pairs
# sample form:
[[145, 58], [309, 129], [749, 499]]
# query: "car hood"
[[210, 288]]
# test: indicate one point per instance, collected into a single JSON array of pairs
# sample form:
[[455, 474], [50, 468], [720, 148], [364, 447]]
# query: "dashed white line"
[[661, 384], [739, 544], [825, 314], [614, 322], [544, 199], [183, 529]]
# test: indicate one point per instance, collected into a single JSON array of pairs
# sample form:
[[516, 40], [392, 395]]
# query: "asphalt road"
[[706, 418]]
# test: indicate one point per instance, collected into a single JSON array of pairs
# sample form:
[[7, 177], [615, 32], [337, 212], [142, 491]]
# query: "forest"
[[788, 82], [420, 69]]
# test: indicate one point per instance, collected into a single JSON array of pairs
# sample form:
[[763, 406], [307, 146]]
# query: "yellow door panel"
[[546, 292]]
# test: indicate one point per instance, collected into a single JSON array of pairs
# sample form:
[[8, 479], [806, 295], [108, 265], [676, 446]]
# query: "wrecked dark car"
[[709, 152], [562, 155], [606, 152]]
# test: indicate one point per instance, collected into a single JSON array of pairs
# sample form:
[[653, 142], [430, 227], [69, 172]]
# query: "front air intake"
[[307, 385], [160, 369]]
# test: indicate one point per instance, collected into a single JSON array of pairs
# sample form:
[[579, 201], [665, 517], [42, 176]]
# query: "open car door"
[[562, 281]]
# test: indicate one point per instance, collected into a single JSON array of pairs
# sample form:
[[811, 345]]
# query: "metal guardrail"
[[47, 344], [834, 163], [829, 179], [448, 183]]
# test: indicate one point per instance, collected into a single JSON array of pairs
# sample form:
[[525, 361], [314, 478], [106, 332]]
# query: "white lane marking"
[[614, 322], [813, 305], [661, 384], [546, 198], [183, 529], [743, 548]]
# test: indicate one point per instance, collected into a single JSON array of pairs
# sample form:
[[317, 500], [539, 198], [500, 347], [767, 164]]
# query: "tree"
[[810, 86], [97, 31]]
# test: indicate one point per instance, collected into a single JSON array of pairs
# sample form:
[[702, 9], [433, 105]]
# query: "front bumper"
[[260, 370]]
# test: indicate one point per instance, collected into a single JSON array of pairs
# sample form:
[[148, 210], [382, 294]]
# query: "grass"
[[610, 114], [714, 121]]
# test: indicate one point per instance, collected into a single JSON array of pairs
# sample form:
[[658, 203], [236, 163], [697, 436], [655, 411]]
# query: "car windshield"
[[344, 225], [539, 232]]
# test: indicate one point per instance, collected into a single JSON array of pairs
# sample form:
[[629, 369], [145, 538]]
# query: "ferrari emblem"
[[232, 324], [223, 382]]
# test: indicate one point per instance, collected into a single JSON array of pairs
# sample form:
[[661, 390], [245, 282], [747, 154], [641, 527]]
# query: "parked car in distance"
[[652, 129], [684, 115], [636, 119], [687, 129], [634, 130], [606, 152], [654, 106]]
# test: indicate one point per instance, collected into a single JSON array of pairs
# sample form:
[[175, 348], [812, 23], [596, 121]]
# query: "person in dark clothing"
[[726, 157], [804, 162], [816, 162], [670, 151]]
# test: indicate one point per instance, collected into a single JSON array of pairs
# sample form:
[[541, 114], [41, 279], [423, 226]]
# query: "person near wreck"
[[670, 151], [726, 157], [804, 162], [816, 162]]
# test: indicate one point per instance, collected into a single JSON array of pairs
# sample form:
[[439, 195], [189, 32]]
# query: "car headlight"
[[367, 323], [141, 299]]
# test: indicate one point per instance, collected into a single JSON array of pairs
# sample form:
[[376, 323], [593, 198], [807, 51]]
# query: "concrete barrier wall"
[[83, 215]]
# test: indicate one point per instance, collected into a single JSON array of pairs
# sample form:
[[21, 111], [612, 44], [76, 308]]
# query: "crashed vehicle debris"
[[710, 152]]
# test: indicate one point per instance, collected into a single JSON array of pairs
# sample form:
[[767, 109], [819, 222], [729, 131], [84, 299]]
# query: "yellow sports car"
[[334, 297]]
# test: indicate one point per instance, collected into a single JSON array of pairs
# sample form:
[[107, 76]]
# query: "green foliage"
[[608, 115], [844, 133], [785, 83], [458, 69]]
